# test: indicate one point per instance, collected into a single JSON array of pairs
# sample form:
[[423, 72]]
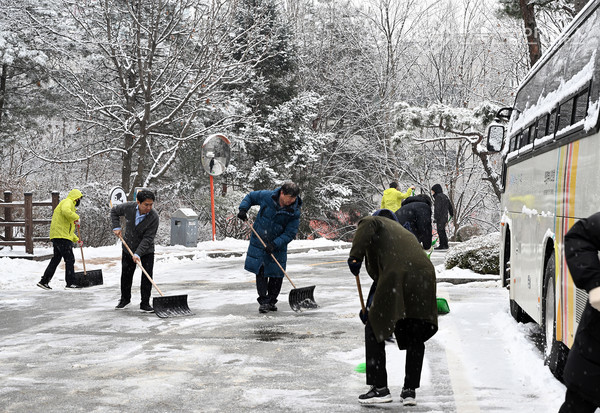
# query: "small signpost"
[[117, 196]]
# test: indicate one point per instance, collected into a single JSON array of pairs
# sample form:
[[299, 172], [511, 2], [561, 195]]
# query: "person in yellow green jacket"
[[392, 197], [62, 235]]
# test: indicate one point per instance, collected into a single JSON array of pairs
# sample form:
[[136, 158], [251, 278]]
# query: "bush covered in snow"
[[479, 254]]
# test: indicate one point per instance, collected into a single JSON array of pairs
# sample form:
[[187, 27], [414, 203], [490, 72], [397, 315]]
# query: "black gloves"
[[364, 317], [270, 248], [242, 215], [354, 265]]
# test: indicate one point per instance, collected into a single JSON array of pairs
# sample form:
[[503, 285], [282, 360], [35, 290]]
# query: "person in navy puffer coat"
[[415, 216], [277, 223]]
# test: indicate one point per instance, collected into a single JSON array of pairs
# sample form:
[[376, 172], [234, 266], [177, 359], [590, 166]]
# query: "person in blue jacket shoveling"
[[276, 223], [402, 301]]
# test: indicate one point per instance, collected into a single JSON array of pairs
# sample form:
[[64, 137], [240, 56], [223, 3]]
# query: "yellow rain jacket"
[[64, 217], [392, 198]]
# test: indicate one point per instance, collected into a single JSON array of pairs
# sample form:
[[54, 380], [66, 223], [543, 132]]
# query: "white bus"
[[551, 178]]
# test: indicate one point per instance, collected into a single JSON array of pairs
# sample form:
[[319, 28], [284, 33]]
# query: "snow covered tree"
[[27, 98], [150, 75], [542, 20], [455, 156]]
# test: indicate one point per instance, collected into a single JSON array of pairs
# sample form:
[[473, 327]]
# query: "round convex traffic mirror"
[[215, 154]]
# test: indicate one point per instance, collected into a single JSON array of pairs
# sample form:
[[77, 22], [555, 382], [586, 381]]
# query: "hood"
[[417, 198], [389, 190], [437, 188], [75, 194], [386, 213]]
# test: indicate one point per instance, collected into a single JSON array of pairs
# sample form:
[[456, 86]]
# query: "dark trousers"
[[376, 360], [268, 288], [128, 267], [574, 403], [442, 237], [63, 248]]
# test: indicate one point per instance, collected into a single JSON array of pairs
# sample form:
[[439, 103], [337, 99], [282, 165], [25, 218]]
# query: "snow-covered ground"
[[71, 351]]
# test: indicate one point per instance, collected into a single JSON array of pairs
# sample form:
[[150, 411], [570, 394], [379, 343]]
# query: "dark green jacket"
[[405, 277]]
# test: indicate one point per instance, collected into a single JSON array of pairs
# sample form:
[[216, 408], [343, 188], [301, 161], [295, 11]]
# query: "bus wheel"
[[555, 353]]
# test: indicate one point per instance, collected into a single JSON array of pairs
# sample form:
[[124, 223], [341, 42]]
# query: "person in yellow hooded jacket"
[[62, 235], [392, 197]]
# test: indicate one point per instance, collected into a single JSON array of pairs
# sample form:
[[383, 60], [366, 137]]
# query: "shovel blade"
[[302, 298], [171, 306], [88, 279]]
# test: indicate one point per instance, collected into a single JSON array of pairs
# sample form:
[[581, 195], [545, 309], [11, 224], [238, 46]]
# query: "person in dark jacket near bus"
[[403, 301], [415, 216], [276, 223], [140, 230], [442, 213], [582, 370]]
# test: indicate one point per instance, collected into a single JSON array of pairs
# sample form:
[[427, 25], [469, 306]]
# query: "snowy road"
[[71, 351]]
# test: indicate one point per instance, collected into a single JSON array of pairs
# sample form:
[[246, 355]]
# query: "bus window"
[[542, 126], [513, 144], [532, 133], [566, 114], [523, 138], [581, 105], [552, 122]]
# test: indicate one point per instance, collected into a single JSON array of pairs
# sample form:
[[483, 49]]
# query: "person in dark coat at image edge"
[[441, 208], [402, 301], [415, 216], [582, 370], [276, 223]]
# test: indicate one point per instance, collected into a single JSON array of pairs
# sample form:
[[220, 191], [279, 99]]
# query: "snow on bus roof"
[[545, 104]]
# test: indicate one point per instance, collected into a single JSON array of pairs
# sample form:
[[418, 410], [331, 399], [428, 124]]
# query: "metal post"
[[8, 230], [28, 222]]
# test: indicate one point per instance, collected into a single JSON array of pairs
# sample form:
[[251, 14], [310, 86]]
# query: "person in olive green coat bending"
[[402, 301], [62, 234]]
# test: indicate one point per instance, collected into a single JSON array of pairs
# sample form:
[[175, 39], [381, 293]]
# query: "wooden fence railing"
[[9, 222]]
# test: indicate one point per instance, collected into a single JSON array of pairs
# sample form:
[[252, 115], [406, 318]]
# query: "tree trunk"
[[531, 31], [3, 76], [126, 167]]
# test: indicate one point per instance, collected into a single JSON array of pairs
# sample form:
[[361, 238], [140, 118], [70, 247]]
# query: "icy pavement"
[[70, 351]]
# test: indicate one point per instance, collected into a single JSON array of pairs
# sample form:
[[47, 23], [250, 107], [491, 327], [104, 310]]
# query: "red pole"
[[212, 207]]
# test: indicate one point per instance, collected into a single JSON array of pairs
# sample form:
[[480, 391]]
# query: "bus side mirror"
[[495, 138]]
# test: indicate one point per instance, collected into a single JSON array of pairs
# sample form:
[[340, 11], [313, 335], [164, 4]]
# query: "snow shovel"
[[87, 278], [173, 306], [298, 298], [442, 305], [362, 367]]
